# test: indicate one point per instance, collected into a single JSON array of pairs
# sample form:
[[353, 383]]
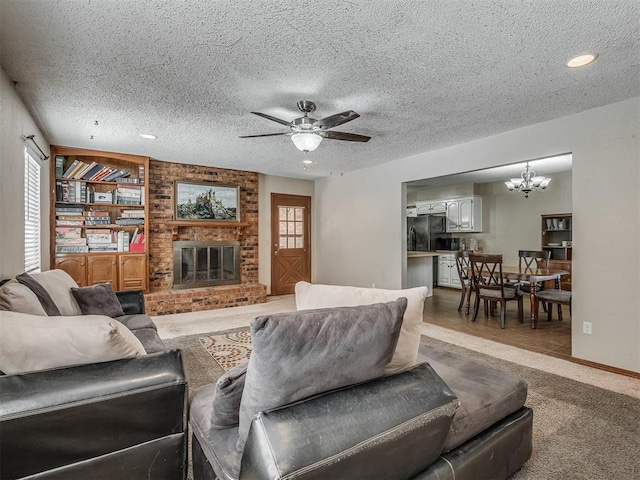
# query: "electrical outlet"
[[586, 328]]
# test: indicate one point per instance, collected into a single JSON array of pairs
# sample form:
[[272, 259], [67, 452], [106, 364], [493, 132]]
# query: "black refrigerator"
[[426, 233]]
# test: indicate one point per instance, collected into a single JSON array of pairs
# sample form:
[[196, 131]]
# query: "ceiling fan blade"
[[349, 137], [273, 119], [264, 135], [337, 119]]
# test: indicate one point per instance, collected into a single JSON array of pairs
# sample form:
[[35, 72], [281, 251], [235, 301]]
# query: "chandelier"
[[528, 182]]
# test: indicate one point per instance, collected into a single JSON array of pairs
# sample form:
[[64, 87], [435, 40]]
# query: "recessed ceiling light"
[[308, 162], [148, 135], [581, 60]]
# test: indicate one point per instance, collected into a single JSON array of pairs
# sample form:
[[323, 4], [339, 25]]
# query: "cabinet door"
[[74, 265], [422, 208], [438, 207], [452, 217], [132, 272], [444, 276], [102, 269], [465, 215]]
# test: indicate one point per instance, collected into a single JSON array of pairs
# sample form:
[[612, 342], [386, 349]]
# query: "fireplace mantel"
[[176, 224]]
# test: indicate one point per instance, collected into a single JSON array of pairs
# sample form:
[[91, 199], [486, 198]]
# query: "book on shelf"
[[97, 221], [83, 171], [92, 171], [95, 213], [71, 191], [68, 223], [79, 167], [141, 173], [68, 232], [69, 209], [132, 213], [104, 173], [129, 221], [127, 180], [70, 169], [116, 174], [71, 241], [59, 168], [103, 247], [72, 248], [70, 218]]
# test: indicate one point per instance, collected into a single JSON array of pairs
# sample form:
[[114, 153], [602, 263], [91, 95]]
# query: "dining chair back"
[[532, 259], [462, 264], [488, 283]]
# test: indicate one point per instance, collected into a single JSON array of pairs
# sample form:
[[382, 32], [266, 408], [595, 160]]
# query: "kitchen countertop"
[[421, 254]]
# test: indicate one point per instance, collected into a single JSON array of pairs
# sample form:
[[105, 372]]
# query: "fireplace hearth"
[[205, 263]]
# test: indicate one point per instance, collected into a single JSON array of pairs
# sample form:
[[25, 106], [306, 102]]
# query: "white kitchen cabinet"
[[428, 208], [464, 215], [412, 212], [447, 271]]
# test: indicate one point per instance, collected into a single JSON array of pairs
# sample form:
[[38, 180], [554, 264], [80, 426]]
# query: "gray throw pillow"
[[98, 300], [299, 354], [226, 403]]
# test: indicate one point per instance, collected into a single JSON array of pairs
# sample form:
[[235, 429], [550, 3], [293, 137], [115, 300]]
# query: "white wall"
[[361, 214], [15, 122], [512, 222], [268, 184]]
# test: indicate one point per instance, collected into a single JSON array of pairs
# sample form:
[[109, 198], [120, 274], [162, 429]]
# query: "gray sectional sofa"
[[107, 400], [441, 416]]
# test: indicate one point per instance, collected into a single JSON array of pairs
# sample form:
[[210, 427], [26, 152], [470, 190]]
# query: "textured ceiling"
[[422, 75]]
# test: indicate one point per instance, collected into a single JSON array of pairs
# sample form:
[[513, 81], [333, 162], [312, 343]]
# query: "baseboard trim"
[[607, 368]]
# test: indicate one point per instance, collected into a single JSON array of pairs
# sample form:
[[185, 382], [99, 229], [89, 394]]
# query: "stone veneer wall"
[[161, 299]]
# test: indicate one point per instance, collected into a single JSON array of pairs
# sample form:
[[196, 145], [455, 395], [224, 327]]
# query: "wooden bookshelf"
[[126, 270]]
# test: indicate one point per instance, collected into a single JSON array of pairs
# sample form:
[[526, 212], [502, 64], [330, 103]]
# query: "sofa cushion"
[[226, 403], [98, 300], [322, 296], [43, 296], [298, 354], [486, 393], [150, 339], [16, 297], [137, 321], [59, 284], [32, 342]]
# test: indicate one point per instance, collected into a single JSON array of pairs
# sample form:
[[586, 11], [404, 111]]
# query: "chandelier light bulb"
[[528, 182]]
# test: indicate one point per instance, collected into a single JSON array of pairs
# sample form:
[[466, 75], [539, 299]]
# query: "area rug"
[[228, 349], [579, 431]]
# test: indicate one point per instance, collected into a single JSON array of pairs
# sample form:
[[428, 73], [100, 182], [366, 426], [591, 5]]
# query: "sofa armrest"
[[105, 418], [391, 427], [132, 301]]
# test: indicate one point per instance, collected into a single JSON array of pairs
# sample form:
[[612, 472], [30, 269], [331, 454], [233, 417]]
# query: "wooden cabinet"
[[448, 271], [99, 216], [125, 271], [464, 215], [132, 272], [557, 235], [101, 269], [428, 208], [74, 265]]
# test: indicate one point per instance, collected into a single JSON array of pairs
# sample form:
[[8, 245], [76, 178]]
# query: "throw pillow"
[[43, 296], [16, 297], [322, 296], [30, 342], [298, 354], [226, 402], [59, 284], [98, 300]]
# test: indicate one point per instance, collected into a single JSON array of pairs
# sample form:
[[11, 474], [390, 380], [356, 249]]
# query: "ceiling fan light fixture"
[[306, 142]]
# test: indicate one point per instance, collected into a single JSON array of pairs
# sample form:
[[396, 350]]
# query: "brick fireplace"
[[162, 297]]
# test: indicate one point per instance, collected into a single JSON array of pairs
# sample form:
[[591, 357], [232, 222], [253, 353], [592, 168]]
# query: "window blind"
[[31, 213]]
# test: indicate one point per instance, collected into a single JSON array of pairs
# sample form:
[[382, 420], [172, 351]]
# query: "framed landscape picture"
[[207, 202]]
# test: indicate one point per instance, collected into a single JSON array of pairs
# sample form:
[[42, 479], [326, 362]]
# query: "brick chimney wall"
[[161, 299]]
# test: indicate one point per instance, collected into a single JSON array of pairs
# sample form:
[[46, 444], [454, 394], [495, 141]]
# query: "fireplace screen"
[[205, 264]]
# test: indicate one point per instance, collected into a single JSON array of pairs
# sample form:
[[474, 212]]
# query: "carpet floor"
[[580, 431]]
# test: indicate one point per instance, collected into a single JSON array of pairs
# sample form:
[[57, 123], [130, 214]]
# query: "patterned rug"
[[228, 349]]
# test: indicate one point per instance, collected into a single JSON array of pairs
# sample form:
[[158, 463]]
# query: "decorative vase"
[[549, 223], [556, 222]]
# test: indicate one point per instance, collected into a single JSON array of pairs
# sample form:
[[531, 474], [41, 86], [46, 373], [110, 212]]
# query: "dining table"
[[533, 275]]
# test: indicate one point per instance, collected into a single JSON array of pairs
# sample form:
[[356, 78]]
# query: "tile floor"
[[550, 338]]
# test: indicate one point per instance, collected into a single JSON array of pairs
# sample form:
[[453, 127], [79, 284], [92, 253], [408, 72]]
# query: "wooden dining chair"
[[551, 296], [462, 263], [486, 277], [533, 259]]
